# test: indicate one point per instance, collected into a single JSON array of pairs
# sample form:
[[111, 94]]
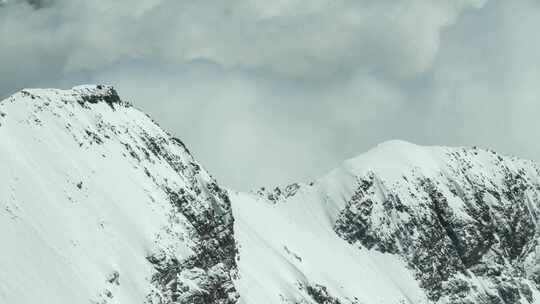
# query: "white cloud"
[[268, 92], [297, 38]]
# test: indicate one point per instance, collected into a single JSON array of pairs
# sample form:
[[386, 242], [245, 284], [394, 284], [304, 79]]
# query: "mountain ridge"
[[105, 165], [118, 201]]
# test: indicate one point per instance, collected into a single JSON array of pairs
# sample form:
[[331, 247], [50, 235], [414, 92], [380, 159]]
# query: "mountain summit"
[[102, 206], [99, 205]]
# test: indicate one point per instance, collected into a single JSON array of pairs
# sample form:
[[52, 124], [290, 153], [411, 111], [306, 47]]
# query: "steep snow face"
[[289, 253], [399, 224], [99, 205]]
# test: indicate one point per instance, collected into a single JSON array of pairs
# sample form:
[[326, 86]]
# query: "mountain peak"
[[396, 144], [97, 93], [99, 204], [393, 157], [99, 189], [81, 94]]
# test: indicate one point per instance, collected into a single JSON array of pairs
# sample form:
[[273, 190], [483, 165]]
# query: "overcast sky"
[[270, 92]]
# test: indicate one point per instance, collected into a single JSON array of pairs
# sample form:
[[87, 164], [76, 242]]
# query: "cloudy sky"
[[269, 92]]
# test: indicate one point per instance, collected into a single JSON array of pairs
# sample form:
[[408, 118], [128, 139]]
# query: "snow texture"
[[99, 205]]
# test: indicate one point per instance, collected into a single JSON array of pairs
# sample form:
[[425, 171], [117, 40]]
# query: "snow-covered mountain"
[[399, 224], [99, 205]]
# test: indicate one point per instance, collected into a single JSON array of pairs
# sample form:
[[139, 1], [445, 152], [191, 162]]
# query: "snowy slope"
[[99, 205], [288, 253], [399, 224]]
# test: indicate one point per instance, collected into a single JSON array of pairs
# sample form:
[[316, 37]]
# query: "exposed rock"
[[454, 227]]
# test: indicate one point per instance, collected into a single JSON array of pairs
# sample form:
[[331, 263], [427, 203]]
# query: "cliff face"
[[99, 205], [423, 225], [463, 219]]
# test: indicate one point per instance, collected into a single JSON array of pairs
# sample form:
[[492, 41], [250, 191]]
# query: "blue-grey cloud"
[[270, 92], [316, 39]]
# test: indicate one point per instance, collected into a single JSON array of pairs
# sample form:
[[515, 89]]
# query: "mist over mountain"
[[316, 80]]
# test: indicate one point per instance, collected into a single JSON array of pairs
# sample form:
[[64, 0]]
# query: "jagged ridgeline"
[[99, 205], [467, 227], [163, 223]]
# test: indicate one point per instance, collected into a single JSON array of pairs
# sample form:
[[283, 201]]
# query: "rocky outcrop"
[[278, 194], [466, 230], [120, 212], [194, 253]]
